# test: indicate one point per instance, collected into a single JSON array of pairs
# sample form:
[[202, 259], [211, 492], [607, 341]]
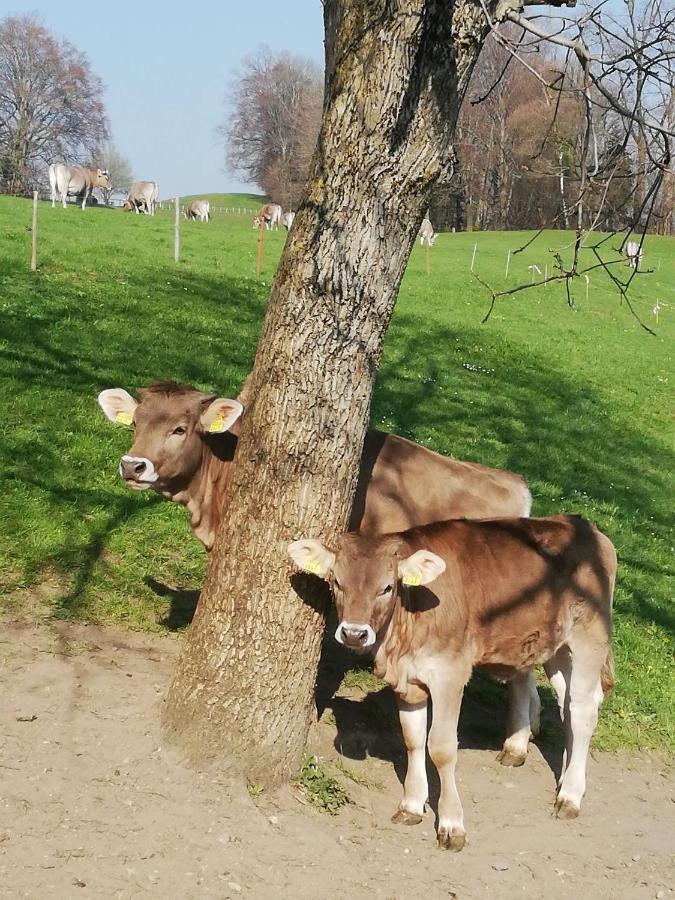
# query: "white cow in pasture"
[[287, 220], [198, 209], [270, 214], [142, 197], [427, 234], [76, 181], [634, 254]]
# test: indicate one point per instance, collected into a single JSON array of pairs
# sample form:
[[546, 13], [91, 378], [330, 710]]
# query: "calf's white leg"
[[518, 726], [447, 698], [559, 671], [585, 697], [413, 718]]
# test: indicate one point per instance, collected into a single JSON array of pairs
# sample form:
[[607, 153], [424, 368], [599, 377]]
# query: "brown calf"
[[505, 595]]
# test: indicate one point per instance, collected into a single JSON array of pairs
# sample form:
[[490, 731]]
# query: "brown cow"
[[270, 214], [185, 441], [506, 595]]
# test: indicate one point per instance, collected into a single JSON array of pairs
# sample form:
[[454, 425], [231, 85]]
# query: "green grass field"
[[578, 401]]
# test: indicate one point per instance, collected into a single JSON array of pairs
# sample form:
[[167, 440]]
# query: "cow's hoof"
[[506, 758], [565, 809], [451, 840], [403, 817]]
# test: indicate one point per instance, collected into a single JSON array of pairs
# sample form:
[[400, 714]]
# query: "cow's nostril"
[[139, 468]]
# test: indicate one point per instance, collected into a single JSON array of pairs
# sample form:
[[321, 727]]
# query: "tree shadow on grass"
[[58, 351]]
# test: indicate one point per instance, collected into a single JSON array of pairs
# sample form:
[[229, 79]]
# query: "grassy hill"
[[578, 400], [222, 201]]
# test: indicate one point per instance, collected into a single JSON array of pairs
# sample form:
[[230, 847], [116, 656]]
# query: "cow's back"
[[513, 587], [402, 485]]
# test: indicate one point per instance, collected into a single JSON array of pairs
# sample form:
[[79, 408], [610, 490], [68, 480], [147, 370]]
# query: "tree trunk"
[[395, 76]]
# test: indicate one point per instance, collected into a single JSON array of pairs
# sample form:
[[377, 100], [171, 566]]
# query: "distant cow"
[[198, 209], [633, 253], [426, 233], [270, 214], [287, 220], [142, 197], [505, 595], [76, 181]]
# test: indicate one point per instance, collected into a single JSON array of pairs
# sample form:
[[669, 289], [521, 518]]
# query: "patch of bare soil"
[[93, 805]]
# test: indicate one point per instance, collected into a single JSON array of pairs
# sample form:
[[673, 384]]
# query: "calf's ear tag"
[[217, 424], [124, 418], [312, 566], [412, 580]]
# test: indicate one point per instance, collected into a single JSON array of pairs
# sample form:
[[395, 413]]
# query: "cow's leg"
[[446, 695], [559, 670], [585, 697], [514, 752], [413, 718], [64, 196]]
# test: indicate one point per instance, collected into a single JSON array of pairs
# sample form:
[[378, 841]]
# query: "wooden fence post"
[[176, 232], [261, 237], [473, 258], [33, 255]]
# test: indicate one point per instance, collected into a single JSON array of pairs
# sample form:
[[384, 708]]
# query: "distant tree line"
[[51, 110], [519, 146]]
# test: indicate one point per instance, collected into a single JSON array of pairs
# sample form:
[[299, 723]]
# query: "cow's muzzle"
[[357, 637], [138, 472]]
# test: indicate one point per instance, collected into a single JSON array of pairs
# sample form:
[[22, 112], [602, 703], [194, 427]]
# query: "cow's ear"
[[421, 568], [220, 415], [118, 405], [311, 556]]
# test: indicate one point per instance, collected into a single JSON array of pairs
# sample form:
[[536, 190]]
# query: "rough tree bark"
[[395, 76]]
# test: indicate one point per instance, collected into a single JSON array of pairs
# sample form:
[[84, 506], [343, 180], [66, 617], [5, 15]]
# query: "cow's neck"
[[397, 659], [203, 497]]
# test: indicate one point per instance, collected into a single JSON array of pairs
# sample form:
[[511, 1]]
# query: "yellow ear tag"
[[217, 424], [124, 418], [312, 566], [412, 580]]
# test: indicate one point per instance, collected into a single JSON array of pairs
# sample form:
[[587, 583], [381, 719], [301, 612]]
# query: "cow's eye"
[[180, 429], [386, 590]]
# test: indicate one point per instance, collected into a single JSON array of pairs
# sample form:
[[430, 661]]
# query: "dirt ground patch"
[[93, 804]]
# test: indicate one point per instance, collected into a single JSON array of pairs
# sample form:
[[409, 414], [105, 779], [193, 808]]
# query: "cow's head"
[[364, 573], [171, 422], [258, 221], [103, 179]]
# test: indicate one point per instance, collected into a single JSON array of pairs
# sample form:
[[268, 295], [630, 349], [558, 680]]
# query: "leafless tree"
[[271, 134], [118, 168], [51, 104], [619, 66]]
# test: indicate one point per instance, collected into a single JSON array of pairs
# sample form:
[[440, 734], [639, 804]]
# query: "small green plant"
[[362, 677], [320, 788], [255, 791]]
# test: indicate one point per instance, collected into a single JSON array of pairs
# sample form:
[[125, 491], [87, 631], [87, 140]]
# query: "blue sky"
[[166, 72]]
